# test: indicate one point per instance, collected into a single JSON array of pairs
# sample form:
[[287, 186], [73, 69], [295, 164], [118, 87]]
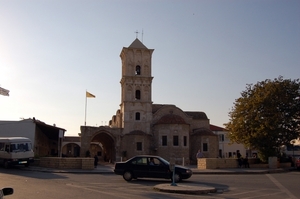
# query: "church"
[[141, 126]]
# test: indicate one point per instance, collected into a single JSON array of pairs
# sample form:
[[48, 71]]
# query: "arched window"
[[138, 70], [138, 94], [137, 116]]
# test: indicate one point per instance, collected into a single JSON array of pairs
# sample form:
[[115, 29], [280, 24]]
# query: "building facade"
[[228, 149], [142, 127], [46, 139]]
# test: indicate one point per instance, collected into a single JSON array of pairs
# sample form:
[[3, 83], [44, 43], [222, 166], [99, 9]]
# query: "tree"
[[266, 116]]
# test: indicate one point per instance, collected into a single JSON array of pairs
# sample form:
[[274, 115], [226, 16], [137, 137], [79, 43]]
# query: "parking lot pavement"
[[109, 169], [172, 188]]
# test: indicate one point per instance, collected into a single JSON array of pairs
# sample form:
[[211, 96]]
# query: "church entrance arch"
[[103, 145]]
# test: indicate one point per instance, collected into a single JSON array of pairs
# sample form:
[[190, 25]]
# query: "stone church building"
[[140, 126]]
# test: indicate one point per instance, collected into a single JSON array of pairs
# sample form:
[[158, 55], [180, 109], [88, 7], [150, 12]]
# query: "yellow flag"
[[89, 94]]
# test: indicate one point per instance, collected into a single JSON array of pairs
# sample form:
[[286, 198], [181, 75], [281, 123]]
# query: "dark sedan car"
[[148, 166]]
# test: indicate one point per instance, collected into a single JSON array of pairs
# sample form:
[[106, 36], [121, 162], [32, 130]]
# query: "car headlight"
[[189, 171]]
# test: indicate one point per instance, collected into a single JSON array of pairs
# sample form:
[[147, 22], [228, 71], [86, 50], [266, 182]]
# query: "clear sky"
[[206, 51]]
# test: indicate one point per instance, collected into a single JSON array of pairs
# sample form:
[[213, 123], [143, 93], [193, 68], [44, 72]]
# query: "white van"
[[15, 151]]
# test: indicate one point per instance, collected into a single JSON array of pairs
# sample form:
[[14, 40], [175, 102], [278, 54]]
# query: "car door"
[[158, 169], [140, 167]]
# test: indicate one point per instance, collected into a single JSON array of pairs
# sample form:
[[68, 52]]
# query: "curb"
[[185, 189]]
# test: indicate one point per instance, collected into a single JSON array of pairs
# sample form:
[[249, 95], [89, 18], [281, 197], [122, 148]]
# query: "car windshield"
[[164, 161]]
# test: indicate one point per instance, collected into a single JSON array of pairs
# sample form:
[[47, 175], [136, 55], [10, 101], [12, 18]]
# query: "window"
[[138, 94], [12, 147], [137, 70], [205, 147], [164, 140], [2, 146], [139, 146], [137, 116], [221, 137], [139, 161], [142, 161], [184, 141], [154, 161], [175, 140]]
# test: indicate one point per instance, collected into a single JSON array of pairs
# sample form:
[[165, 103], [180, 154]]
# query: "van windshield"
[[20, 147]]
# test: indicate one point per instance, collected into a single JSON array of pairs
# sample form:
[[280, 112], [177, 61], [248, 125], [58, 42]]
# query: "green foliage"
[[266, 116]]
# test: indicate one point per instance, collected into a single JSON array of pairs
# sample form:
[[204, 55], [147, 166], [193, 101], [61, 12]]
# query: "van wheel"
[[127, 176]]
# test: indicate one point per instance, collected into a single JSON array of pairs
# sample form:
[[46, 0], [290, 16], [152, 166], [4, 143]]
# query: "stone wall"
[[129, 144], [216, 163], [169, 151], [196, 143], [221, 163], [67, 163]]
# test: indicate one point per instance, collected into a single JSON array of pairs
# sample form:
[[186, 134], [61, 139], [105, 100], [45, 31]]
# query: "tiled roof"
[[216, 128], [137, 44], [203, 131], [171, 119], [197, 115], [156, 107]]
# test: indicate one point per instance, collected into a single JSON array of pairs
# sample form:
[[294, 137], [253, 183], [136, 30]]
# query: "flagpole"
[[85, 109], [87, 94]]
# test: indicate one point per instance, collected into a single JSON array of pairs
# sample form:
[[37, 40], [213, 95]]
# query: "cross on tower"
[[136, 32]]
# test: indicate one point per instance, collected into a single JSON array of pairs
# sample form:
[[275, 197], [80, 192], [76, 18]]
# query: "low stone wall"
[[67, 163], [284, 165], [216, 163], [223, 163]]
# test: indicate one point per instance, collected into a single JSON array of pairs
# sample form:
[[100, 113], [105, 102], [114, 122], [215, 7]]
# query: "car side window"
[[154, 161], [2, 146], [140, 161]]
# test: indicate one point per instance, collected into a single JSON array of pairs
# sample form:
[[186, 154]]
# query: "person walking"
[[239, 159], [199, 154], [245, 162], [96, 161]]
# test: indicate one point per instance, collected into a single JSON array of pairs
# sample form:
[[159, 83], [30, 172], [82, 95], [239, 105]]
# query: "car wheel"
[[177, 177], [127, 175]]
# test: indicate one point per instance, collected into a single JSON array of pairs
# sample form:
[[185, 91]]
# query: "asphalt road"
[[34, 185]]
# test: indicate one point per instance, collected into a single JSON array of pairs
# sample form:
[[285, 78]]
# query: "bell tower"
[[136, 86]]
